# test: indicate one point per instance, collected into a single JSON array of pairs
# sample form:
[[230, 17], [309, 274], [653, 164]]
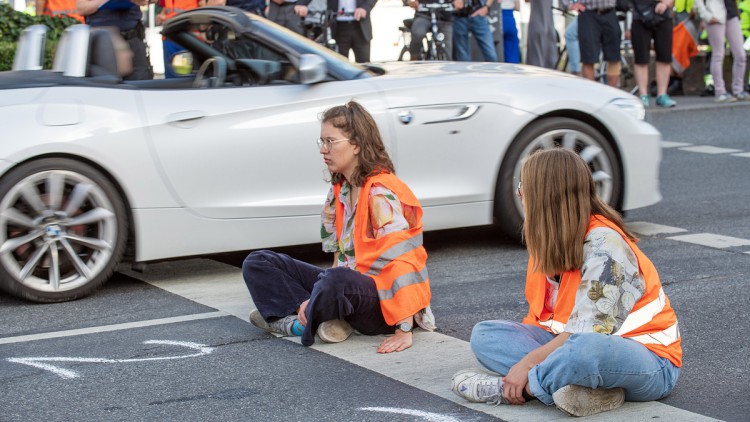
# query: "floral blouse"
[[611, 284], [387, 215]]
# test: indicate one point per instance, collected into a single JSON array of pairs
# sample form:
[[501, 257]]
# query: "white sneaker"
[[584, 401], [742, 96], [334, 331], [478, 387], [725, 98]]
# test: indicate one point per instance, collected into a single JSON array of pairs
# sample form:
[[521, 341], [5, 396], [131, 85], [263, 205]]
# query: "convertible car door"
[[247, 152]]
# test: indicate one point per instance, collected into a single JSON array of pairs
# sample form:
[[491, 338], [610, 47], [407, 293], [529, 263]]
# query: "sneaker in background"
[[708, 91], [725, 98], [287, 326], [646, 101], [334, 331], [478, 387], [742, 96], [584, 401], [663, 100]]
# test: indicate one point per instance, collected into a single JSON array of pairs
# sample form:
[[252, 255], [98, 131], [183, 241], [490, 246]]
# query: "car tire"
[[63, 230], [547, 133]]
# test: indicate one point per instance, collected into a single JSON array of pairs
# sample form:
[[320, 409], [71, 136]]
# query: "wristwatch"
[[404, 326]]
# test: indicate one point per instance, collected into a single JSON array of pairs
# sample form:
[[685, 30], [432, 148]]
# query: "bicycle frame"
[[436, 36]]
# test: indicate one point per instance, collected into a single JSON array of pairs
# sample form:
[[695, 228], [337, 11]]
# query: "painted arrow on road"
[[39, 362]]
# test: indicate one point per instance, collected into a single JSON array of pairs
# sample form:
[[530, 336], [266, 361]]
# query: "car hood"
[[528, 88]]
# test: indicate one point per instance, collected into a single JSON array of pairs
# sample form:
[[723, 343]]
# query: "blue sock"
[[297, 328]]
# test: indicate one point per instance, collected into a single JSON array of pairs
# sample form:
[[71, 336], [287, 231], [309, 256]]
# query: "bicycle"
[[435, 40], [317, 27]]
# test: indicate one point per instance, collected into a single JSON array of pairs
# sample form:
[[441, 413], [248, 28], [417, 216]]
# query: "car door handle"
[[185, 119], [464, 112]]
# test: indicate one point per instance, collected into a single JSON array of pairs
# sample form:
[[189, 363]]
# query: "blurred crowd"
[[597, 35]]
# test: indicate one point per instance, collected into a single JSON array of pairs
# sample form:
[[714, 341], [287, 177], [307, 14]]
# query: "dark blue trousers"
[[278, 284]]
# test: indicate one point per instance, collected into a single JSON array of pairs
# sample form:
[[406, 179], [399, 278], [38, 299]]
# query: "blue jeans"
[[587, 359], [574, 50], [511, 48], [278, 284], [478, 26]]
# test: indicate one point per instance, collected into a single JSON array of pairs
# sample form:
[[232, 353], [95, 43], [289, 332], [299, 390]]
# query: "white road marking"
[[742, 154], [428, 416], [439, 356], [37, 362], [711, 240], [651, 229], [708, 149], [113, 327], [670, 144]]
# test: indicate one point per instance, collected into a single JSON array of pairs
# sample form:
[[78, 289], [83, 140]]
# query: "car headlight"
[[632, 106]]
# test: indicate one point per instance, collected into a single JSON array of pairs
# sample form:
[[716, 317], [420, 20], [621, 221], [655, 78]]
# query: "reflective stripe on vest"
[[652, 321], [394, 252], [402, 281]]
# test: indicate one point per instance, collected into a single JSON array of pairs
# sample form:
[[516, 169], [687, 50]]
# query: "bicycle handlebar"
[[448, 7]]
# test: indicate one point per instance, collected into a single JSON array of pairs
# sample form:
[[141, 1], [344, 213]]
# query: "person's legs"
[[343, 33], [290, 20], [278, 283], [734, 37], [344, 294], [142, 69], [589, 39], [571, 45], [716, 35], [511, 48], [611, 35], [419, 28], [483, 35], [601, 361], [640, 37], [360, 45], [461, 38], [447, 29], [663, 49], [498, 345]]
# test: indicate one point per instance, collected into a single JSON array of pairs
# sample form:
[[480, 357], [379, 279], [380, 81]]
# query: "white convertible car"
[[94, 170]]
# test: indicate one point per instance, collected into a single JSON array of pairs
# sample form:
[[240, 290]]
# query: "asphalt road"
[[208, 365]]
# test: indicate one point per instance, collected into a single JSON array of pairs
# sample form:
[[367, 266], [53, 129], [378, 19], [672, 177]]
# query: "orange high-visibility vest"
[[173, 7], [652, 321], [397, 261], [61, 8]]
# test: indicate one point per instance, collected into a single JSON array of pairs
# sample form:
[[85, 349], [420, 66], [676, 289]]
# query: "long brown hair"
[[361, 129], [559, 197]]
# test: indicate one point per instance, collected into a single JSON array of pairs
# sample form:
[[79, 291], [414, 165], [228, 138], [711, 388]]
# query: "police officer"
[[126, 16]]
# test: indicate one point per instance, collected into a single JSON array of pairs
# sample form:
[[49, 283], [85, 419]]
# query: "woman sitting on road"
[[599, 329], [372, 223]]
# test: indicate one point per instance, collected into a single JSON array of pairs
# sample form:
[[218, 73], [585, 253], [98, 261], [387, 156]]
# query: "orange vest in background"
[[652, 321], [62, 8], [173, 7], [397, 261]]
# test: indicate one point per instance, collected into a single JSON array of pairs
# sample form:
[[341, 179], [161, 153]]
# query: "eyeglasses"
[[518, 190], [326, 144]]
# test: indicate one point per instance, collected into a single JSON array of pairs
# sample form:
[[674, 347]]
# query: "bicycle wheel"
[[442, 55], [404, 55]]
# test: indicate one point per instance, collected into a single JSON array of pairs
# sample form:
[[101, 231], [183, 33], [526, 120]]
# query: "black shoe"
[[675, 87], [708, 91]]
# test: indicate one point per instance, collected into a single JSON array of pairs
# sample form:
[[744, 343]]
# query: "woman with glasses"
[[599, 329], [372, 223]]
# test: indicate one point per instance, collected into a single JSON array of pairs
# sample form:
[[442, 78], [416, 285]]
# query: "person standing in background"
[[126, 16], [541, 45], [58, 8], [288, 13], [473, 17], [722, 21], [352, 29], [511, 47]]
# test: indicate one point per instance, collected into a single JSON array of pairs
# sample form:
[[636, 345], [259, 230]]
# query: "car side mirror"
[[182, 63], [312, 69]]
